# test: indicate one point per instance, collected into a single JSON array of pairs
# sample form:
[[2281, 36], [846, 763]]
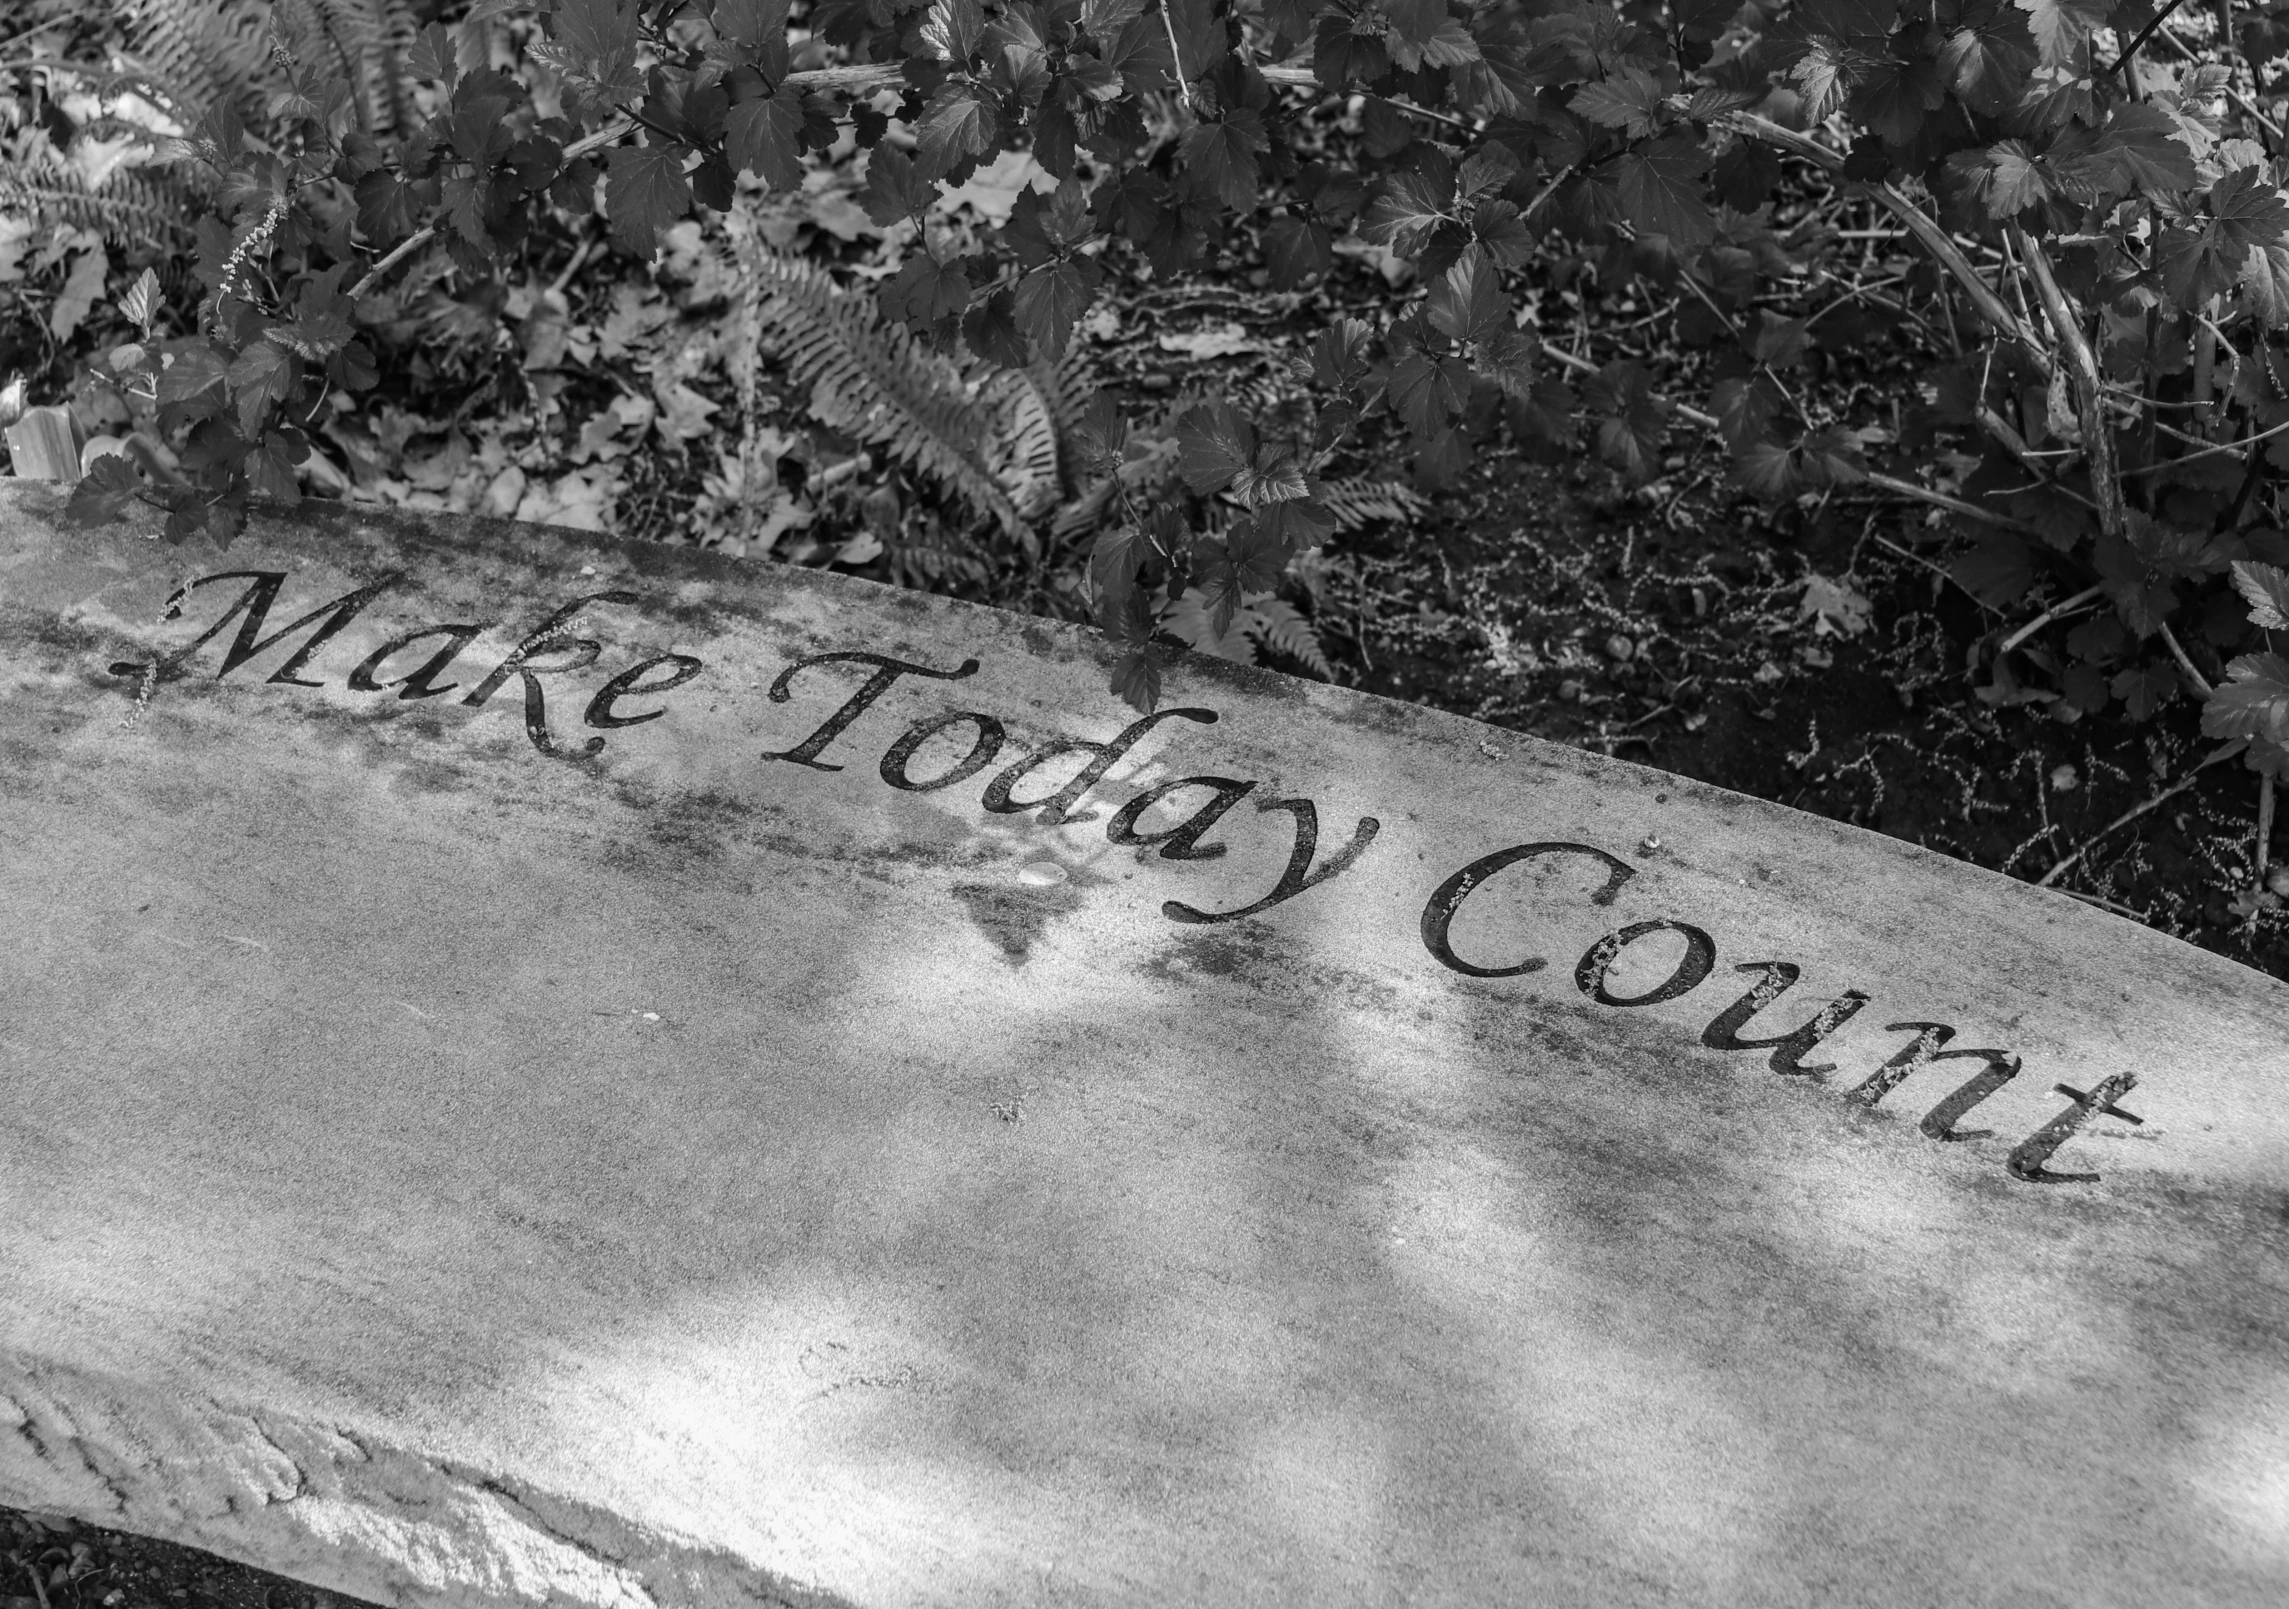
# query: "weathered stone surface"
[[465, 1175]]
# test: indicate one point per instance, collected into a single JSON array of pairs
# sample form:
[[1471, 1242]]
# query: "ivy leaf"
[[644, 193], [195, 367], [2062, 27], [1747, 174], [1429, 394], [1745, 409], [1467, 303], [1224, 156], [1987, 58], [104, 492], [990, 328], [1413, 202], [1275, 475], [1104, 19], [2264, 284], [1214, 444], [1050, 299], [1631, 438], [1201, 39], [1338, 354], [260, 377], [953, 29], [1628, 102], [2252, 702], [593, 43], [925, 291], [2144, 689], [2006, 178], [1136, 678], [2246, 211], [960, 123], [762, 135], [2266, 586], [1660, 189], [1295, 249], [894, 190], [2141, 146], [759, 29]]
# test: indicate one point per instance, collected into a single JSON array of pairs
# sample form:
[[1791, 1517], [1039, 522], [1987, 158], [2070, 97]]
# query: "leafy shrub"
[[2080, 206]]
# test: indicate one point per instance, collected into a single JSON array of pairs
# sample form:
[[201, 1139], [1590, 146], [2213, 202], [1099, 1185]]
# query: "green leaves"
[[959, 124], [2246, 212], [594, 44], [763, 136], [1467, 303], [644, 193], [1660, 189], [1630, 101], [2266, 586], [953, 29], [2252, 702], [1223, 154]]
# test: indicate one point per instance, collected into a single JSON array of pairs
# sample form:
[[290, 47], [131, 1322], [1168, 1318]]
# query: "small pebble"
[[1619, 647], [1649, 843], [1040, 873], [2065, 779]]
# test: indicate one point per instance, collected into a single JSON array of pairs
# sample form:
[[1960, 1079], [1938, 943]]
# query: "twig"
[[2201, 682], [2122, 62], [2046, 617], [38, 1585], [2097, 431], [1936, 569], [2128, 816], [1927, 233], [1176, 56], [2264, 852], [1889, 483], [2208, 449]]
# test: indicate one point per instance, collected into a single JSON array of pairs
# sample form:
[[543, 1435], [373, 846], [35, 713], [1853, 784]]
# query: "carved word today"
[[1187, 810]]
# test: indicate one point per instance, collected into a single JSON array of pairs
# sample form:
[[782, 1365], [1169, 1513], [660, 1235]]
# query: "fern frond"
[[363, 41], [1024, 456], [872, 378], [1284, 630], [202, 52], [1357, 500], [131, 204]]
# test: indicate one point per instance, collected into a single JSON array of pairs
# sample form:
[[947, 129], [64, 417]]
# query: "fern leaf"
[[131, 204], [1283, 630], [875, 380], [1356, 501], [202, 51], [1023, 452]]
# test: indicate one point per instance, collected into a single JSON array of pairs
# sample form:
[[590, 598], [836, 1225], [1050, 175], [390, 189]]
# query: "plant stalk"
[[2090, 391]]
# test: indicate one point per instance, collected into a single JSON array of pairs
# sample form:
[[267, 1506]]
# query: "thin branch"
[[2097, 432], [1176, 56], [2207, 449], [2186, 666], [2128, 816], [2046, 617], [1928, 234], [2122, 62]]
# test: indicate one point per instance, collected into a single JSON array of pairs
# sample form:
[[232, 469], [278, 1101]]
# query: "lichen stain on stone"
[[1014, 915]]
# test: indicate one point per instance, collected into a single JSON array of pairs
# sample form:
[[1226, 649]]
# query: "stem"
[[1176, 56], [2264, 854], [2128, 816], [2046, 617], [1928, 234], [2122, 62], [2097, 433], [2201, 683]]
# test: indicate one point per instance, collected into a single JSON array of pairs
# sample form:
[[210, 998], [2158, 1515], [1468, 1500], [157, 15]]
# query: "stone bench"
[[540, 1071]]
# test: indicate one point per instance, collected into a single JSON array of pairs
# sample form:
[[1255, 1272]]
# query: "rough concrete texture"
[[463, 1175]]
